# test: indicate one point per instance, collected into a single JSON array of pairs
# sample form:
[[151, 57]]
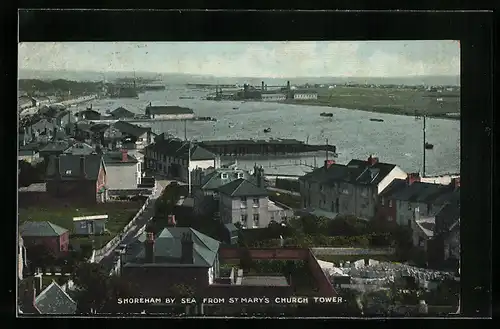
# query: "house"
[[54, 237], [206, 198], [54, 149], [80, 149], [28, 153], [273, 96], [422, 229], [123, 170], [90, 225], [53, 300], [446, 239], [304, 94], [41, 127], [246, 203], [400, 198], [178, 255], [77, 177], [130, 135], [169, 112], [351, 189], [21, 257], [64, 118], [122, 113], [88, 114], [174, 157]]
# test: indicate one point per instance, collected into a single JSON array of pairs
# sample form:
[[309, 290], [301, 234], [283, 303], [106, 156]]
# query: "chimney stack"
[[372, 160], [265, 87], [124, 155], [54, 133], [57, 161], [412, 177], [149, 247], [262, 86], [82, 166], [328, 163], [455, 182], [187, 248], [288, 85]]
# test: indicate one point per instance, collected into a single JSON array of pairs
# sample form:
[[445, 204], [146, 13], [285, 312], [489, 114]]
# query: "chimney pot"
[[124, 155], [82, 166], [412, 177]]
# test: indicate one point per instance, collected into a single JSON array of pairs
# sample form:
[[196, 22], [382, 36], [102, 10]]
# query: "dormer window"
[[240, 175], [68, 172], [223, 176]]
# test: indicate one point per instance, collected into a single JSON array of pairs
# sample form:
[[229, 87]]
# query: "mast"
[[424, 149], [185, 130], [189, 169], [326, 149]]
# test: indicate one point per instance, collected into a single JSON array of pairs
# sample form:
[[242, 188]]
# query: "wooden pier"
[[263, 147]]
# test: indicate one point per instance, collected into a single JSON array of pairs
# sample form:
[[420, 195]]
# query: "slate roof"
[[122, 112], [70, 167], [357, 172], [39, 229], [168, 248], [80, 149], [420, 192], [88, 112], [42, 124], [54, 300], [57, 146], [179, 149], [214, 180], [98, 127], [116, 157], [150, 110], [242, 188], [130, 129]]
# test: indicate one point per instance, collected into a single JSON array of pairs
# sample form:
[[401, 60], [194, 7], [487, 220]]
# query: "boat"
[[186, 97], [235, 108], [325, 114], [429, 146], [377, 120], [267, 130]]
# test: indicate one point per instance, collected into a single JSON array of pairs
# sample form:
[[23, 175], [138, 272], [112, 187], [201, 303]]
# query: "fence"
[[113, 243]]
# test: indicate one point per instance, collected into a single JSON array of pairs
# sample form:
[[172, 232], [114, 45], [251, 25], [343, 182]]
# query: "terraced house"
[[351, 189], [174, 157]]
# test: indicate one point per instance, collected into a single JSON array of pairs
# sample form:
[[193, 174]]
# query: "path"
[[107, 259]]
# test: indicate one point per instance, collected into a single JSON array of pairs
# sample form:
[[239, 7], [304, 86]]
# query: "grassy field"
[[388, 100], [120, 214]]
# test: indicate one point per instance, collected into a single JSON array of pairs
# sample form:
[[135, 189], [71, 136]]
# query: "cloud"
[[250, 59]]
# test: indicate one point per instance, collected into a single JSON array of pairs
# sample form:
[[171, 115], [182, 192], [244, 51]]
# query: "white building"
[[351, 189], [174, 157], [273, 97], [169, 112], [123, 171], [304, 94]]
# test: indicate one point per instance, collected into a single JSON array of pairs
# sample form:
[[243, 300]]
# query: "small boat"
[[377, 120], [186, 97], [429, 146], [325, 114], [235, 108], [267, 130]]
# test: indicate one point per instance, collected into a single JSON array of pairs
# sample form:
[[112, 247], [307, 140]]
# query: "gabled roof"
[[178, 148], [87, 112], [54, 300], [70, 167], [130, 129], [122, 112], [215, 179], [357, 172], [150, 110], [41, 124], [168, 248], [57, 146], [80, 149], [446, 217], [416, 192], [242, 188], [39, 229]]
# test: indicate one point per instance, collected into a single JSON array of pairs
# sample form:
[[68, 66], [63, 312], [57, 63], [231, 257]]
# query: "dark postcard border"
[[473, 29]]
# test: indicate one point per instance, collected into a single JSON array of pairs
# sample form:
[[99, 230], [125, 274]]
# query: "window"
[[68, 172], [382, 201], [390, 203], [243, 202], [409, 206], [223, 176], [256, 220], [240, 175], [243, 220], [256, 202]]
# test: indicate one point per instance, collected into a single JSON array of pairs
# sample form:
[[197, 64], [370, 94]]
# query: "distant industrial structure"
[[262, 93]]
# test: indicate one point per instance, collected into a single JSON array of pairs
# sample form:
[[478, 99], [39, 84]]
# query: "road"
[[107, 259]]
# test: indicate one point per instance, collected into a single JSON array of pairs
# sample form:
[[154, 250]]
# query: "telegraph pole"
[[424, 149]]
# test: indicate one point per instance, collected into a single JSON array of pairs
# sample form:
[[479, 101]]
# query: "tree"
[[40, 256], [246, 261]]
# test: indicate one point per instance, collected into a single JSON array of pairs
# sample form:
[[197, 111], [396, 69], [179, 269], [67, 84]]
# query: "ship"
[[377, 120], [429, 146], [325, 114], [124, 92], [267, 130]]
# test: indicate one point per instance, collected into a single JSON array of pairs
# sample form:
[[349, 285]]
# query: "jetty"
[[273, 146]]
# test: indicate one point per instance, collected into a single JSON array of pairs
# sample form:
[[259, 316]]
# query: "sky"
[[250, 59]]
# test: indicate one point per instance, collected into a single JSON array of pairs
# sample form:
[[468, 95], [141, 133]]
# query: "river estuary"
[[398, 139]]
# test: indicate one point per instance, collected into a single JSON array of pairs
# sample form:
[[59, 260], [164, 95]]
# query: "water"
[[396, 140]]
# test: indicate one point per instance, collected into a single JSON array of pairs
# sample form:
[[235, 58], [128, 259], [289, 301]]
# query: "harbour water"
[[398, 139]]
